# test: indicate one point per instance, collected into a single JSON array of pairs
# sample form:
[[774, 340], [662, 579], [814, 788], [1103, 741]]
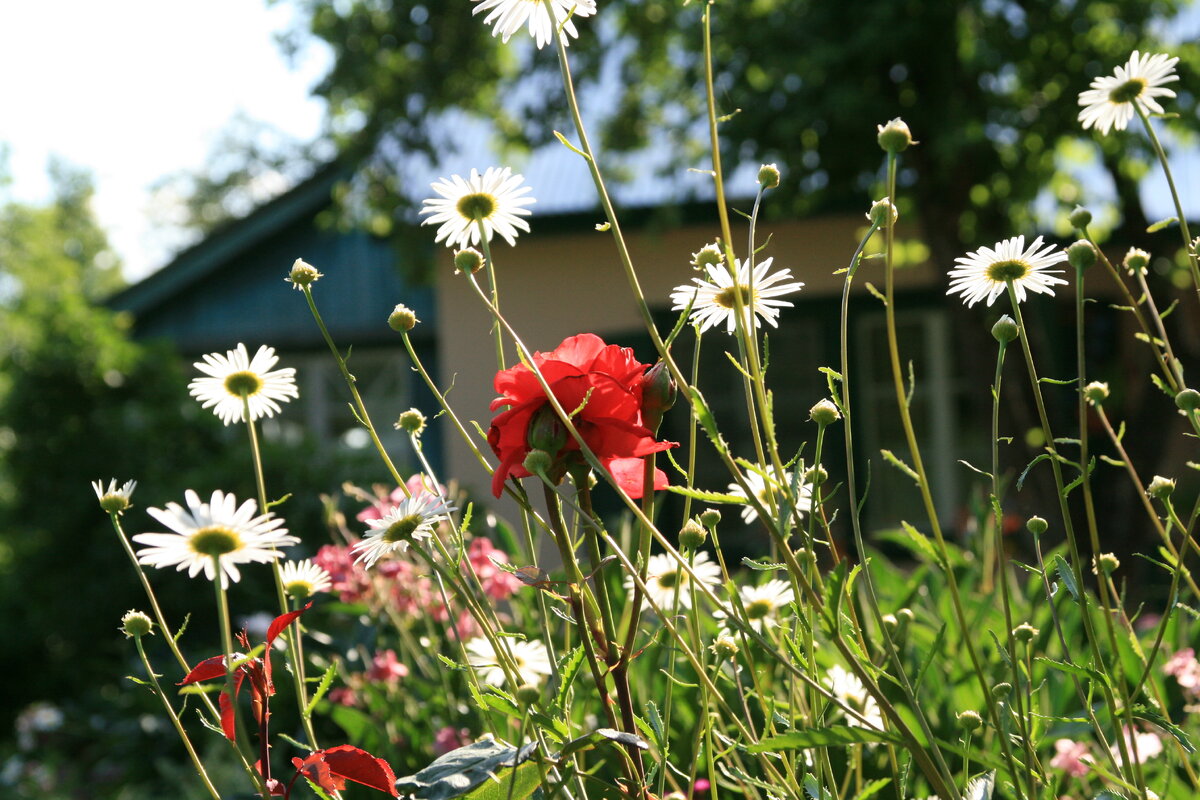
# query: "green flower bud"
[[658, 395], [1001, 691], [402, 319], [882, 212], [1081, 254], [135, 624], [468, 260], [546, 431], [538, 462], [1188, 400], [824, 413], [806, 558], [528, 695], [1106, 563], [1096, 392], [708, 256], [411, 422], [890, 622], [815, 476], [1080, 218], [303, 274], [1036, 525], [709, 517], [768, 176], [1025, 632], [1161, 487], [692, 535], [894, 137], [1005, 329], [970, 721], [725, 645], [1136, 261]]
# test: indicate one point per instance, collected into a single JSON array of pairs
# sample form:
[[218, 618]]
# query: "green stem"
[[1166, 167], [497, 334]]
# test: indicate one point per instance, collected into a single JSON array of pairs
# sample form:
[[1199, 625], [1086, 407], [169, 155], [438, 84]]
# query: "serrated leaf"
[[322, 688], [1066, 575], [568, 668], [831, 736], [1073, 669], [707, 497], [1029, 466], [895, 461], [1150, 715], [1057, 382], [873, 788], [762, 564]]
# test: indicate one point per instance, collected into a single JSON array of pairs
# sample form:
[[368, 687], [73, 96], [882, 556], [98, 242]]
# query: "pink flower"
[[1071, 757], [450, 738], [386, 668], [417, 484], [1186, 669], [1147, 743], [497, 584], [343, 696], [350, 580]]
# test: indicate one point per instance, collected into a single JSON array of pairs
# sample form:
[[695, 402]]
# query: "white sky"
[[137, 89]]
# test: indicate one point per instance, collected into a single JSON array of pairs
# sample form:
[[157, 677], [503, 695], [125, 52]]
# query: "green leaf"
[[762, 564], [1161, 224], [873, 788], [892, 459], [571, 147], [877, 294], [1057, 382], [1150, 715], [568, 668], [1029, 466], [1073, 669], [832, 736], [322, 688], [1066, 575], [707, 497]]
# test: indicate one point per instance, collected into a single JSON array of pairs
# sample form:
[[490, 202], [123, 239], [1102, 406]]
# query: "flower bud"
[[824, 413], [768, 176], [1106, 563], [692, 535], [546, 431], [1080, 218], [411, 422], [1005, 329], [709, 517], [1136, 261], [1081, 254], [970, 721], [890, 622], [708, 256], [1160, 487], [1025, 632], [1096, 392], [302, 274], [894, 137], [538, 462], [658, 395], [906, 616], [882, 212], [1001, 691], [806, 558], [815, 476], [725, 645], [528, 695], [135, 624], [402, 319], [467, 260], [1188, 400], [1036, 525]]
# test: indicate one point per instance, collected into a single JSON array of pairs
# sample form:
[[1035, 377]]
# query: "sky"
[[138, 89]]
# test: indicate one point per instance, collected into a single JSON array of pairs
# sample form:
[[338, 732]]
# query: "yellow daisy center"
[[759, 609], [668, 580], [298, 589], [402, 529], [727, 297], [243, 384], [1004, 271], [215, 540], [476, 206], [114, 503], [1128, 91]]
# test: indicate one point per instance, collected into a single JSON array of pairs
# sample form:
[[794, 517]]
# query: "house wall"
[[554, 285]]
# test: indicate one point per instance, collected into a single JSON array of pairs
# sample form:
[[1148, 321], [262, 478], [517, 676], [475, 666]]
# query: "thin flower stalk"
[[490, 264], [227, 647], [1179, 213]]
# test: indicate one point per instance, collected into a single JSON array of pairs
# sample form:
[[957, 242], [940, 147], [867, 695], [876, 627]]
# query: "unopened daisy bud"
[[815, 476], [538, 462], [468, 260], [411, 422], [1106, 563], [882, 212], [1001, 691], [1036, 525], [1136, 261], [1188, 400], [658, 395], [402, 319], [303, 274], [768, 176], [970, 721], [824, 413], [114, 499], [708, 256], [725, 645], [1005, 329], [1096, 392], [692, 535], [1160, 487], [709, 517], [135, 624], [546, 431], [1081, 254], [1080, 218], [894, 137], [528, 695], [806, 558], [905, 616], [890, 622], [1024, 632]]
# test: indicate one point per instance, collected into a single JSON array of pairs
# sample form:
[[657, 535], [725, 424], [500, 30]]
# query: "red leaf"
[[206, 670], [228, 724], [348, 763], [282, 621]]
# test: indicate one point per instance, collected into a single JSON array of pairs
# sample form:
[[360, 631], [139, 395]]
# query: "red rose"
[[582, 368]]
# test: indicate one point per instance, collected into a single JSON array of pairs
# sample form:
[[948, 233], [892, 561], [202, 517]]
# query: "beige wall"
[[556, 285]]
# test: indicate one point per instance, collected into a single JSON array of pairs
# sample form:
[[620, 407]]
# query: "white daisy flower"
[[235, 534], [411, 521], [663, 574], [779, 487], [986, 272], [303, 579], [114, 500], [1109, 103], [496, 198], [715, 298], [509, 16], [530, 657], [764, 604], [234, 374], [847, 688]]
